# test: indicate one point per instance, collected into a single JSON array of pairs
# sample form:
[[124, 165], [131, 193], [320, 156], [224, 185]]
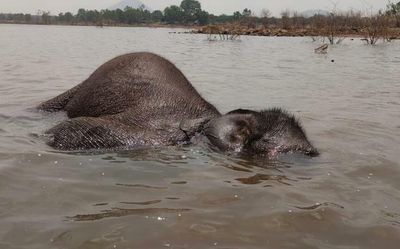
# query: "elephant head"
[[269, 132]]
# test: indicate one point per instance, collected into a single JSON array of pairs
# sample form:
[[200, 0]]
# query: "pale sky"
[[212, 6]]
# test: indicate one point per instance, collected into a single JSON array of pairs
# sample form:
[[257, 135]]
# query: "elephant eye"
[[241, 123], [265, 140], [233, 138]]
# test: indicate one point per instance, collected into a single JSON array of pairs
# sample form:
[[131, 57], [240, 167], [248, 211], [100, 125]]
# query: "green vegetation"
[[188, 13], [334, 26], [393, 9]]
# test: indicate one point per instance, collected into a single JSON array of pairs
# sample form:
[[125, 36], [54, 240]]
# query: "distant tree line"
[[189, 12]]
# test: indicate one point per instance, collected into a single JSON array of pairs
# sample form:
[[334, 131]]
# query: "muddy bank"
[[393, 33]]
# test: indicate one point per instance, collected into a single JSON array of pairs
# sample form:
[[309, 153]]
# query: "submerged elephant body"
[[132, 100], [142, 99]]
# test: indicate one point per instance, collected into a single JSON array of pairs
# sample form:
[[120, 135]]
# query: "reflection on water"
[[258, 178], [191, 197]]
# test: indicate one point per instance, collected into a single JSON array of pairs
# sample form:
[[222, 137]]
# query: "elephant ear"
[[232, 132], [191, 126]]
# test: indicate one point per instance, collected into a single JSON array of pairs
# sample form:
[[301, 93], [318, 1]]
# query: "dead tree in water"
[[333, 28], [376, 28], [322, 49]]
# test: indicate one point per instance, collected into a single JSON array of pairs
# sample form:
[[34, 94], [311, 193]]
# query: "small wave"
[[317, 205], [140, 202], [139, 186], [120, 212]]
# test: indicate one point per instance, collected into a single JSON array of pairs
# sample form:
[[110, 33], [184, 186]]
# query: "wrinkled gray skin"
[[141, 99]]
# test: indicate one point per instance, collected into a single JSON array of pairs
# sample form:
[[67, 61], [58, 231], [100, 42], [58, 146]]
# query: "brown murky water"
[[349, 197]]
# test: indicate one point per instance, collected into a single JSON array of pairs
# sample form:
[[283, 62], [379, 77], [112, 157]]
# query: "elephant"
[[141, 99]]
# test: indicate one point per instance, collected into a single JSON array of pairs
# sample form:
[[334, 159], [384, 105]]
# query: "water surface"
[[349, 197]]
